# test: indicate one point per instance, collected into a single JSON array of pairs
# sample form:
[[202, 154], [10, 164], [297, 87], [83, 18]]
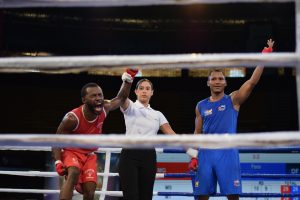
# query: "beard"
[[94, 109]]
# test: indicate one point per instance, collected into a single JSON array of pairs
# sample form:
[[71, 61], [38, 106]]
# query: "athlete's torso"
[[219, 116], [87, 127]]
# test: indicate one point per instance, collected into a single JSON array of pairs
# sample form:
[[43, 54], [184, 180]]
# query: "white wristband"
[[58, 161], [192, 152]]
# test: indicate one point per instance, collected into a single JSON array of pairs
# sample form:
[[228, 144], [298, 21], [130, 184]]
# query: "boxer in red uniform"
[[79, 165]]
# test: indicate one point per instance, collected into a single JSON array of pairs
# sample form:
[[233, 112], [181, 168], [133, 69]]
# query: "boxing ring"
[[287, 190], [253, 140], [248, 143]]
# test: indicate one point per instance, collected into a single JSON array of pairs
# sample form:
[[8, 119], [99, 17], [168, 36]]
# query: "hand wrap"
[[129, 75]]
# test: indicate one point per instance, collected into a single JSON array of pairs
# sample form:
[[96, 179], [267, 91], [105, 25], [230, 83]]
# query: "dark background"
[[36, 103], [149, 30]]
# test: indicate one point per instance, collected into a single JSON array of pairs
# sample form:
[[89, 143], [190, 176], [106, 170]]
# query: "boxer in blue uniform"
[[218, 114]]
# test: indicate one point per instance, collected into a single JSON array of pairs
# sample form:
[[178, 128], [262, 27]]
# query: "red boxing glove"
[[78, 188], [267, 50], [129, 75], [132, 72], [60, 168], [193, 165]]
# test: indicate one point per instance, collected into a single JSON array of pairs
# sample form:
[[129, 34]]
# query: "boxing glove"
[[267, 50], [129, 75], [60, 168], [78, 188], [193, 165], [132, 72]]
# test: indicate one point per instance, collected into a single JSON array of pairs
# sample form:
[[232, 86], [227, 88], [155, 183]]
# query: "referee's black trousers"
[[137, 170]]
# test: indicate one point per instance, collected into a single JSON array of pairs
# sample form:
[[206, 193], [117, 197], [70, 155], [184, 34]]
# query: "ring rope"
[[158, 150], [171, 61], [197, 63], [158, 175], [47, 148], [212, 141], [119, 193], [243, 150]]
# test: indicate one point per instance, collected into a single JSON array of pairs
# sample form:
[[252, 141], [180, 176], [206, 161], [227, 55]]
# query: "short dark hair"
[[144, 80], [216, 70], [84, 88]]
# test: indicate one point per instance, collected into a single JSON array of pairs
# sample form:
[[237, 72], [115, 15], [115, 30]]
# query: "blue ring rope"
[[270, 176], [244, 150], [220, 195]]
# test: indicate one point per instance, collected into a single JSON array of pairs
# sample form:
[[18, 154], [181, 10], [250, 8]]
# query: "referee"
[[137, 167]]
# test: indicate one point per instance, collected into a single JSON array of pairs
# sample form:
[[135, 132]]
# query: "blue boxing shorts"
[[222, 166]]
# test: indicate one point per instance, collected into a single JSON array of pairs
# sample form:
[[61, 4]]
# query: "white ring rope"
[[158, 175], [212, 141], [171, 61], [85, 63], [105, 3], [43, 191], [54, 174], [45, 148]]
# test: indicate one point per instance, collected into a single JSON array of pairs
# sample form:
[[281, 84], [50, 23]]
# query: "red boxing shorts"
[[86, 163]]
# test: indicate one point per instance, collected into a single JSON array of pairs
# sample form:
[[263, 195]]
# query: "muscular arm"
[[68, 124], [193, 153], [167, 129], [125, 105], [198, 122], [239, 96], [120, 99]]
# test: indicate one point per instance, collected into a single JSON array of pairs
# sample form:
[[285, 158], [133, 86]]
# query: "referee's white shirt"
[[141, 120]]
